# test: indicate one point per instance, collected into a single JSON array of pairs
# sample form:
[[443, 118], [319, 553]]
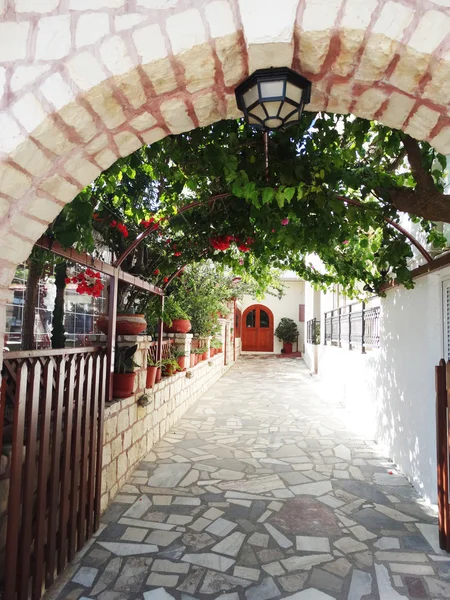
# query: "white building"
[[259, 319]]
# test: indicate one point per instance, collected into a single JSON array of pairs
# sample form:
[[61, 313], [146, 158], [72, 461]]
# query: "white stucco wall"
[[312, 310], [390, 393], [287, 306]]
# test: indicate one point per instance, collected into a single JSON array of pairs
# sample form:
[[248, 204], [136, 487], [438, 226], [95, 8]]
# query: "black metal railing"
[[357, 328], [313, 331]]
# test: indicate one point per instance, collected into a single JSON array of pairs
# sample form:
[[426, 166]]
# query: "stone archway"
[[83, 82]]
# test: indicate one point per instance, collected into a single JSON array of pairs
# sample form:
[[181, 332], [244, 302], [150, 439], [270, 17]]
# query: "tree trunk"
[[58, 338], [29, 308]]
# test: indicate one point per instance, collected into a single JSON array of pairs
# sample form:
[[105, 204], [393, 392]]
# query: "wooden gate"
[[52, 407], [443, 445]]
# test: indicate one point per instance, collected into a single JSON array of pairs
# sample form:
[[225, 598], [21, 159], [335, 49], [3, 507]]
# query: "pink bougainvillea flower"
[[285, 221], [273, 230], [113, 224], [241, 261], [345, 242]]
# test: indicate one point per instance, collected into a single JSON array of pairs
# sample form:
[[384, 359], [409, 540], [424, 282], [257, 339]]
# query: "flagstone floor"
[[261, 492]]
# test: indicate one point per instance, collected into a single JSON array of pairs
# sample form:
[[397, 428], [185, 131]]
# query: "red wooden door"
[[257, 329]]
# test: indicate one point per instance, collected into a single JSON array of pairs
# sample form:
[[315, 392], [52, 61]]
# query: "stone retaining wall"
[[131, 430]]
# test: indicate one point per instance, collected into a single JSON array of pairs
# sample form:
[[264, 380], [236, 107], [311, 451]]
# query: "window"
[[264, 320], [250, 320]]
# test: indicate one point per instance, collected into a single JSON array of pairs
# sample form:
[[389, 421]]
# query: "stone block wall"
[[131, 430]]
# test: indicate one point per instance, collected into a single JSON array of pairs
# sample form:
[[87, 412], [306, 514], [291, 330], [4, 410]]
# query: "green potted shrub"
[[287, 332], [124, 375], [176, 320]]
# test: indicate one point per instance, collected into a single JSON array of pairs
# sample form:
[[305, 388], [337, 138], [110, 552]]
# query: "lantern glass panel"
[[272, 89], [259, 111], [273, 123], [251, 96], [286, 110], [294, 93], [272, 108], [294, 117]]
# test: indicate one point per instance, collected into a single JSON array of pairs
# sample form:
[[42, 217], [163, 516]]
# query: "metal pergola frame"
[[116, 274]]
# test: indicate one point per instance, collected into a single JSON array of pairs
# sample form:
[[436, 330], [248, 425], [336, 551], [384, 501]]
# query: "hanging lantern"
[[273, 98]]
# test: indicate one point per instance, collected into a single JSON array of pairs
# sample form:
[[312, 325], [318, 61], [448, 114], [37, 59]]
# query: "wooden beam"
[[81, 258]]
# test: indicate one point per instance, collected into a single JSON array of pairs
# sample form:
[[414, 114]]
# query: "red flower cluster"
[[150, 223], [156, 272], [88, 283], [245, 246], [166, 279], [222, 242], [177, 253], [121, 227]]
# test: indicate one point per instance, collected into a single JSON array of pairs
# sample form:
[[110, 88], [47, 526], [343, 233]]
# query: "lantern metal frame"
[[256, 100]]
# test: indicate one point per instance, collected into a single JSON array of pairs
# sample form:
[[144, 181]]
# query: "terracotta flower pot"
[[126, 324], [123, 384], [158, 375], [181, 360], [178, 326], [151, 376], [192, 360], [205, 356], [169, 370], [212, 352], [220, 350], [287, 347]]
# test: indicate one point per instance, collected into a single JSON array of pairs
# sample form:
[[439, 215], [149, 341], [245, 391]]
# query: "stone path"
[[260, 492]]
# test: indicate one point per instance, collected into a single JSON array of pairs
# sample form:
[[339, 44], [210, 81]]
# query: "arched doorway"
[[257, 329]]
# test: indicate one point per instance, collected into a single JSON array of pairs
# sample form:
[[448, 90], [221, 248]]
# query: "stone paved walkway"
[[260, 492]]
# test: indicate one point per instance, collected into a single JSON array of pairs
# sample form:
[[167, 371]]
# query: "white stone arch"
[[83, 82]]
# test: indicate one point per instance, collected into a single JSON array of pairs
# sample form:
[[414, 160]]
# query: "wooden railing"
[[165, 349], [53, 405], [442, 445]]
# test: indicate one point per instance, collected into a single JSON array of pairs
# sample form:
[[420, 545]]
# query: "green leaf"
[[268, 195], [289, 193]]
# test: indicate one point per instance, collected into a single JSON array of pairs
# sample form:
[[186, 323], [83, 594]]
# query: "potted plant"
[[176, 320], [180, 357], [287, 332], [192, 358], [204, 352], [217, 345], [169, 367], [124, 375], [127, 323], [153, 366]]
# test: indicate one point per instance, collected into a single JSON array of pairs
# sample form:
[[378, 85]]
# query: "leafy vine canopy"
[[252, 220]]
